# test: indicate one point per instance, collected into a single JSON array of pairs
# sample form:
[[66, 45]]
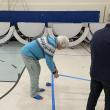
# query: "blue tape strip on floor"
[[52, 81], [74, 77], [53, 96]]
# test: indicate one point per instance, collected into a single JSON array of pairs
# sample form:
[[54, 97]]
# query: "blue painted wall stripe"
[[50, 16]]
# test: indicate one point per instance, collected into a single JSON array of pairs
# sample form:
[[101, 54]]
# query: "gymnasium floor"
[[71, 88]]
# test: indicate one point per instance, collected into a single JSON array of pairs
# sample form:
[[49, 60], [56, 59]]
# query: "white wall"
[[12, 4], [51, 1], [107, 12]]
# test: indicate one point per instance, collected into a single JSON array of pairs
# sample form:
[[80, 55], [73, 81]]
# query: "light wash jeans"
[[34, 69]]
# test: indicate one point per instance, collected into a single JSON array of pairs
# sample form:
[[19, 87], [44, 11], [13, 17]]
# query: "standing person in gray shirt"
[[41, 48]]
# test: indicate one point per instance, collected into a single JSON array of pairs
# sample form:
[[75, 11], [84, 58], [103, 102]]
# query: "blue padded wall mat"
[[49, 16]]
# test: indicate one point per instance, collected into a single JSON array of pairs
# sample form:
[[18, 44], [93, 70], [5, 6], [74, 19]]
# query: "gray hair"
[[63, 41]]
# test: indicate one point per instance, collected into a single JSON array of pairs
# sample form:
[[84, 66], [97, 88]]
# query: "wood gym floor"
[[71, 89]]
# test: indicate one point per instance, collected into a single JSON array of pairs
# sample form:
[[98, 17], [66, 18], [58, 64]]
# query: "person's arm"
[[51, 65]]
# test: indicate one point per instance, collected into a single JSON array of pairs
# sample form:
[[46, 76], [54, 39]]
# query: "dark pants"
[[95, 90]]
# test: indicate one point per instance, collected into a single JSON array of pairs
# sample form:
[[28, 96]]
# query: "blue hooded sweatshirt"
[[35, 51]]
